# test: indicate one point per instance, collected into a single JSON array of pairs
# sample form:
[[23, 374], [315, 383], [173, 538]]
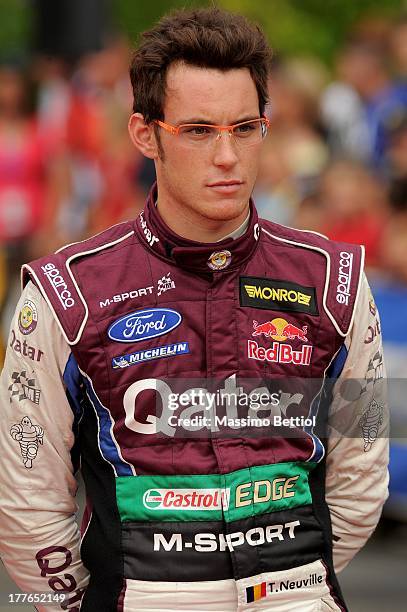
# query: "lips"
[[230, 183], [226, 188]]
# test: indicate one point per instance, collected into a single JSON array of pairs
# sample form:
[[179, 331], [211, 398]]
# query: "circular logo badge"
[[152, 499], [28, 317], [219, 260]]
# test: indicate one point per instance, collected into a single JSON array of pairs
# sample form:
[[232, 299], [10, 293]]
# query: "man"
[[116, 340]]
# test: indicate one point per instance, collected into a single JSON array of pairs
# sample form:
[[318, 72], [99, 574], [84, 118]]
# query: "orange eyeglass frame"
[[174, 130]]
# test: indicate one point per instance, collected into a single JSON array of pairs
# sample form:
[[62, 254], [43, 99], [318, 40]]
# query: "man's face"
[[215, 181]]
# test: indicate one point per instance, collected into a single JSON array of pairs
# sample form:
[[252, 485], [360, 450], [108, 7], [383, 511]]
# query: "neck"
[[193, 226]]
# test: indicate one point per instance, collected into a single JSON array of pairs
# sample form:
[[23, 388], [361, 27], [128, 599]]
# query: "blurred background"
[[335, 161]]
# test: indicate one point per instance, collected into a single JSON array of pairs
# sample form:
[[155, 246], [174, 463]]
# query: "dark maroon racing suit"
[[235, 510]]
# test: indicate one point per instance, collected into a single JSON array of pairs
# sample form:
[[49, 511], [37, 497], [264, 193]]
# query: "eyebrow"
[[200, 121]]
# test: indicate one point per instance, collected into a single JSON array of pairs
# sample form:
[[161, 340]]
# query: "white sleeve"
[[358, 444], [39, 536]]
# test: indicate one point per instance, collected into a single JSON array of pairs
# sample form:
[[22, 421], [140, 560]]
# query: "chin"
[[224, 210]]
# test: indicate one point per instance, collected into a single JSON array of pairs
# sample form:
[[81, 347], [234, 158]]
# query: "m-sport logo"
[[210, 542], [144, 324], [186, 499]]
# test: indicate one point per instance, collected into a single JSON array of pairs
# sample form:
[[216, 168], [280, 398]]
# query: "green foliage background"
[[310, 27], [293, 26]]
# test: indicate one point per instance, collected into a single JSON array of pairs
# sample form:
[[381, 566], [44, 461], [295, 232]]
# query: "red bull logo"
[[268, 329], [280, 330], [279, 353]]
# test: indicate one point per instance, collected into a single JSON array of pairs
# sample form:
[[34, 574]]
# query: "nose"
[[224, 150]]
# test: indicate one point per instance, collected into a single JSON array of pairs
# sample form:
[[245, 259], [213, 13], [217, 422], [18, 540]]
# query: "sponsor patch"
[[219, 260], [281, 585], [280, 353], [126, 295], [59, 285], [227, 497], [269, 294], [29, 437], [372, 332], [54, 560], [165, 283], [211, 542], [370, 423], [25, 349], [262, 544], [186, 499], [158, 352], [144, 325], [280, 330], [374, 372], [28, 317], [149, 236], [24, 387], [344, 277]]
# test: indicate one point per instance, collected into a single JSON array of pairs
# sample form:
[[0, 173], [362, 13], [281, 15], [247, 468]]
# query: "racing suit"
[[107, 337]]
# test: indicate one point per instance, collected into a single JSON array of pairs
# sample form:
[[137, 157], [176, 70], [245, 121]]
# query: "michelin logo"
[[168, 350]]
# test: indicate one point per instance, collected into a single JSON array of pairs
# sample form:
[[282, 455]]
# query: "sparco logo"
[[344, 277], [147, 233], [210, 542], [59, 285], [187, 499]]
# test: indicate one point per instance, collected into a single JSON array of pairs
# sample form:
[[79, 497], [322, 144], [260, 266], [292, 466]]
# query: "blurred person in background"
[[200, 267], [85, 106], [343, 116], [65, 117], [398, 47], [29, 185], [295, 153], [350, 206], [358, 106], [366, 69], [396, 152], [25, 161], [102, 81], [394, 240]]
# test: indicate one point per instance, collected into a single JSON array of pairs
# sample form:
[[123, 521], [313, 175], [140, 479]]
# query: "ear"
[[142, 136]]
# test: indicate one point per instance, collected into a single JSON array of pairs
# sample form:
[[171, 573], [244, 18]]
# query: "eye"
[[195, 131], [245, 128]]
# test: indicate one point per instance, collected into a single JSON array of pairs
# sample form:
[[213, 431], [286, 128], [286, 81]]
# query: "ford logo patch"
[[144, 324]]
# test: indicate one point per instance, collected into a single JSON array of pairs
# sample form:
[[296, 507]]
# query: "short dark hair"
[[207, 38]]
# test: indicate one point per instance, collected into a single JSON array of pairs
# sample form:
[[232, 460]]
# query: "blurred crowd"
[[335, 160]]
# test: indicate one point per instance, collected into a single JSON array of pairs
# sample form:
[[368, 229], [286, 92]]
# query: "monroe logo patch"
[[269, 294]]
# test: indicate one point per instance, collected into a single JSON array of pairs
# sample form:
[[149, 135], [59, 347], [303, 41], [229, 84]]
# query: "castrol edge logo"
[[187, 499]]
